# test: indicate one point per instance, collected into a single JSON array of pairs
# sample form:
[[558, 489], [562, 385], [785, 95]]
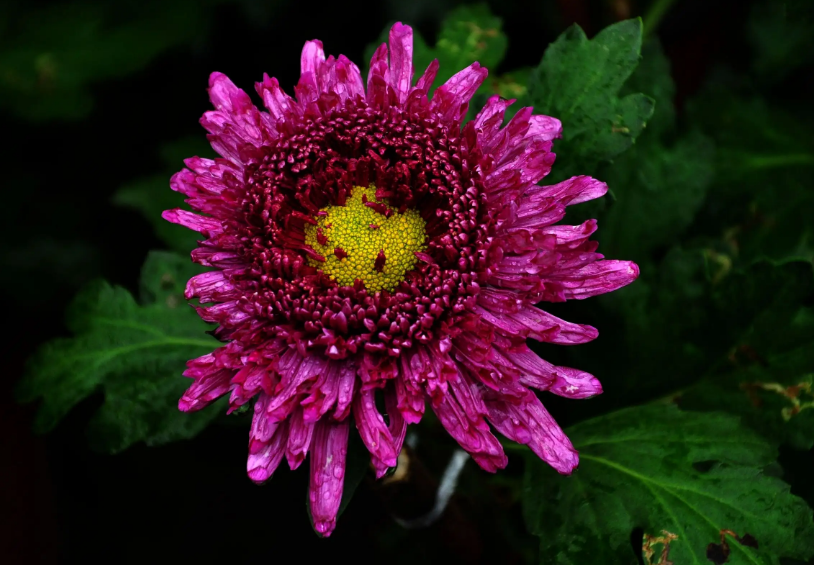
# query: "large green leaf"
[[133, 352], [579, 81], [659, 184], [152, 195], [690, 475]]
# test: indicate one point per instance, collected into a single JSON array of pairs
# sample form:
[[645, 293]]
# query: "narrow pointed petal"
[[328, 456]]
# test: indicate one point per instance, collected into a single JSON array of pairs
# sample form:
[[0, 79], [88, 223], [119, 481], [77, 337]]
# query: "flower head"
[[364, 240]]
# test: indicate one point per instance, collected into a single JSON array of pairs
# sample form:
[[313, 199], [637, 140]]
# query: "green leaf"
[[467, 34], [765, 159], [152, 195], [133, 352], [579, 82], [690, 475], [661, 182], [768, 373], [57, 52]]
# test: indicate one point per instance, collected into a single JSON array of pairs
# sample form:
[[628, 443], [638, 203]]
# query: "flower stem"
[[654, 15]]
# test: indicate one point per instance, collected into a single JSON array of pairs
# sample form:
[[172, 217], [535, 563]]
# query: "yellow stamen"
[[361, 232]]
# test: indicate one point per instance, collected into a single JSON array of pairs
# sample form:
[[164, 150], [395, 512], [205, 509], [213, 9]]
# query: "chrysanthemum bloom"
[[366, 243]]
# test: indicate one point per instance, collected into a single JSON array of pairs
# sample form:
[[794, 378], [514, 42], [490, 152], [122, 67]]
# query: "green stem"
[[773, 161], [654, 15]]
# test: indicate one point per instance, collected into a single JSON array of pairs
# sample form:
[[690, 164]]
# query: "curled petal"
[[537, 324], [312, 57], [538, 373], [451, 100], [206, 226], [571, 191], [299, 438], [462, 415], [598, 277], [529, 423], [401, 59], [264, 461], [212, 286], [329, 450], [211, 382], [374, 432]]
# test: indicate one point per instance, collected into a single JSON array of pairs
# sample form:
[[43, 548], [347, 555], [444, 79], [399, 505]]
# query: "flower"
[[365, 243]]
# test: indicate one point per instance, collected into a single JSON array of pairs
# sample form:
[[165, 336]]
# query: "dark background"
[[191, 500]]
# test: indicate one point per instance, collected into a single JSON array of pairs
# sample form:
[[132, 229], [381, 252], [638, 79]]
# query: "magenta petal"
[[279, 104], [211, 382], [462, 415], [264, 461], [329, 450], [574, 190], [597, 278], [573, 383], [372, 429], [532, 322], [529, 423], [424, 83], [312, 57], [349, 79], [299, 438], [206, 226], [401, 59], [544, 127], [451, 100], [213, 286], [538, 373]]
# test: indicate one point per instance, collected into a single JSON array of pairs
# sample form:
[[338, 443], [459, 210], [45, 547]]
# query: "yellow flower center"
[[366, 240]]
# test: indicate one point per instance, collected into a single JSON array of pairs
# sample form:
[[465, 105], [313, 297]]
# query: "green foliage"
[[765, 162], [688, 474], [768, 372], [133, 352], [54, 54], [660, 183], [579, 81], [152, 195]]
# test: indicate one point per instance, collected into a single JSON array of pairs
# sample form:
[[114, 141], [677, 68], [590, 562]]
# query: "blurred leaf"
[[660, 183], [467, 34], [765, 162], [134, 352], [54, 53], [767, 378], [690, 475], [152, 195], [579, 81], [513, 84], [782, 35]]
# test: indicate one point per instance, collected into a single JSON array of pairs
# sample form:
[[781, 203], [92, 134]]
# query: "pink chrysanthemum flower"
[[364, 241]]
